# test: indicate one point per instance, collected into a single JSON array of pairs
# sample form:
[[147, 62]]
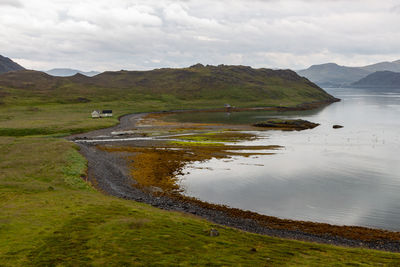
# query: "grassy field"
[[34, 103], [49, 216]]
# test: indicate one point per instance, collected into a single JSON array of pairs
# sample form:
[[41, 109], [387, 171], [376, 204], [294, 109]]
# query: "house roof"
[[107, 111]]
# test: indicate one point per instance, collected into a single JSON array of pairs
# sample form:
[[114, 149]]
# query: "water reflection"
[[347, 176]]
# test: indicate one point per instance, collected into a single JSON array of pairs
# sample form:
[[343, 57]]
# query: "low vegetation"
[[51, 216], [34, 103], [160, 165], [47, 220]]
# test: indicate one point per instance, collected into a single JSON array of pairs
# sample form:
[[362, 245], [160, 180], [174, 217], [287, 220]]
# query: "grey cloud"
[[139, 34], [396, 9], [13, 3]]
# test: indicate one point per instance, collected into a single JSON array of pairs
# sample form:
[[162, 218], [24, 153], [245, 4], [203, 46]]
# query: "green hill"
[[33, 102], [194, 87]]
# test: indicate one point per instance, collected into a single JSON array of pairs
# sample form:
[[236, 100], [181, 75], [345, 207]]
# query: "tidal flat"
[[170, 147]]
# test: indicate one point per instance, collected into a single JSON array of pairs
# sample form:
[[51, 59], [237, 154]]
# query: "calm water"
[[348, 176]]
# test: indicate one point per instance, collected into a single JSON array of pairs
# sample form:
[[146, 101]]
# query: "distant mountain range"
[[383, 74], [7, 65], [380, 79], [334, 75], [70, 72], [383, 66]]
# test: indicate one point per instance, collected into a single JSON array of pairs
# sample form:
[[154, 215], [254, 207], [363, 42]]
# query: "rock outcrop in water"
[[336, 126], [288, 125]]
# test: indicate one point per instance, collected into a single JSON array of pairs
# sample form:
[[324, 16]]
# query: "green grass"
[[49, 216], [74, 171], [33, 103]]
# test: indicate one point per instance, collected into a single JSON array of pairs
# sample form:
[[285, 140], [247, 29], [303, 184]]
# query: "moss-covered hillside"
[[194, 87]]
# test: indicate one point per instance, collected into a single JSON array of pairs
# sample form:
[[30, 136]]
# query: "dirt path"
[[108, 172], [126, 122]]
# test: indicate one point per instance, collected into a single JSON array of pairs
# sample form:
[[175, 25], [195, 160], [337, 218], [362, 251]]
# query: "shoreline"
[[130, 119], [108, 172]]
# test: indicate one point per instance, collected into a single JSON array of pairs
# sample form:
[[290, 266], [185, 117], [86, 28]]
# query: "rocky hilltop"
[[7, 65]]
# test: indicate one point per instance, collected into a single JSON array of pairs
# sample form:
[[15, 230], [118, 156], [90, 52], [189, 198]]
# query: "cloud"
[[139, 34], [396, 9], [12, 3]]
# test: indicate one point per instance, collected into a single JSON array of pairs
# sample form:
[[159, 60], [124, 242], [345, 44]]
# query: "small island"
[[286, 124]]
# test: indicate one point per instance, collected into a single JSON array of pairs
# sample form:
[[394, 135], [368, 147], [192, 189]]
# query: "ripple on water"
[[349, 176]]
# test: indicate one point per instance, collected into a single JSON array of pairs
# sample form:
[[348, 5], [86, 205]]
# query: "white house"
[[96, 114], [102, 114]]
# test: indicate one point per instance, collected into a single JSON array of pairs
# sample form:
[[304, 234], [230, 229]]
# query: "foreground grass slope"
[[50, 216]]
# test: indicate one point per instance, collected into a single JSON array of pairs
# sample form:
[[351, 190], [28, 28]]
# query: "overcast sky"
[[135, 34]]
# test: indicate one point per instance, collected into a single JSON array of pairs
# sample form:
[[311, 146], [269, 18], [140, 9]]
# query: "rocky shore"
[[109, 173]]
